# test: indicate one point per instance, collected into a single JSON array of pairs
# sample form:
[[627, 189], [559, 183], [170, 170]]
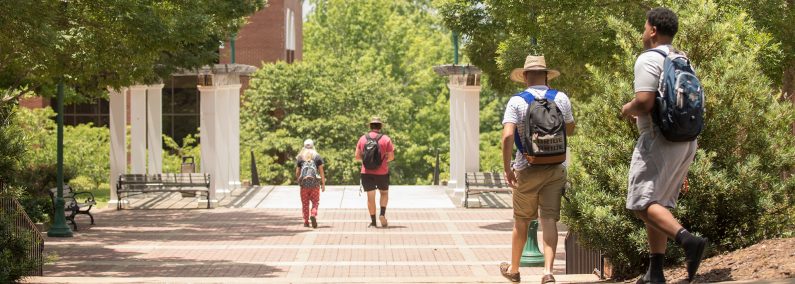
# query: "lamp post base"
[[59, 227], [531, 255], [60, 231]]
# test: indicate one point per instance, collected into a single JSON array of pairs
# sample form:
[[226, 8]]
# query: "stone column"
[[221, 139], [234, 135], [207, 134], [464, 132], [220, 129], [118, 141], [154, 128], [465, 88], [138, 128], [219, 88]]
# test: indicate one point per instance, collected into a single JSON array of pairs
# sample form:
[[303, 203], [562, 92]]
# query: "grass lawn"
[[101, 195]]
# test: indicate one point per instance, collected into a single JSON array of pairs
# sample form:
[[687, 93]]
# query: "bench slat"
[[480, 182]]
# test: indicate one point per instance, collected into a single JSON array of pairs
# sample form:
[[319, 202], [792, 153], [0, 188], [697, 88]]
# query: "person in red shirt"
[[375, 150]]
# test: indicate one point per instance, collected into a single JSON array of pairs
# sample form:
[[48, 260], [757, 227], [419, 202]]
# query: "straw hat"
[[533, 63], [376, 120]]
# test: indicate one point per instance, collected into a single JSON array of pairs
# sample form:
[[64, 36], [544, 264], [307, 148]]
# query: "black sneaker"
[[372, 225], [314, 221], [306, 225], [694, 254]]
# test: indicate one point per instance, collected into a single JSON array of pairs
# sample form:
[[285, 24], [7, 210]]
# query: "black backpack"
[[545, 130], [679, 104], [371, 158]]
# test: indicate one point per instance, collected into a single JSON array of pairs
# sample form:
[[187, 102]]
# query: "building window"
[[94, 112], [289, 39], [180, 107]]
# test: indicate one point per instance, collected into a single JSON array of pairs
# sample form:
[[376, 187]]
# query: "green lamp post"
[[232, 48], [59, 227], [455, 47], [531, 256]]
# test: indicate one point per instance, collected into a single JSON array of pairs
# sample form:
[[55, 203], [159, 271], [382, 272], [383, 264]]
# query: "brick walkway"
[[250, 245]]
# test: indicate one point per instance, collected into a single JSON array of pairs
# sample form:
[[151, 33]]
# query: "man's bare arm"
[[642, 104], [507, 152]]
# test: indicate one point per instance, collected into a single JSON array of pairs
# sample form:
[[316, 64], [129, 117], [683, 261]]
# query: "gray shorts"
[[658, 169]]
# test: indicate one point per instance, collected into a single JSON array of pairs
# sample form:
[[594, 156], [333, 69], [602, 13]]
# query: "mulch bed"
[[769, 260]]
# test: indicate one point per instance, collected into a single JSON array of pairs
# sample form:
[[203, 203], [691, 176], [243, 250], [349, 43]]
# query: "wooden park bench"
[[480, 182], [135, 184], [75, 202]]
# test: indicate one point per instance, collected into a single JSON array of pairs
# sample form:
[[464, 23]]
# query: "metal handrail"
[[20, 224]]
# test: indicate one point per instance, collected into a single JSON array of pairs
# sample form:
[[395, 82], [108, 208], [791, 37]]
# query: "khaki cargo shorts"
[[539, 189]]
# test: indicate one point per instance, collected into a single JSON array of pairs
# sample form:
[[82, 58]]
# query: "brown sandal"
[[514, 277], [547, 279]]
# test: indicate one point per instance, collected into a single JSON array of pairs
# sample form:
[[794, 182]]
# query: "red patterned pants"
[[307, 195]]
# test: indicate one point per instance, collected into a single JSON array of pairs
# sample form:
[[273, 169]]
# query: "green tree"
[[499, 34], [373, 58], [94, 44], [775, 17], [736, 196], [288, 103]]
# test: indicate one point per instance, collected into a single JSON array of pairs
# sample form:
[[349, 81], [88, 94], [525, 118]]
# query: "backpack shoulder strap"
[[551, 94], [378, 137], [527, 96], [529, 99], [660, 52]]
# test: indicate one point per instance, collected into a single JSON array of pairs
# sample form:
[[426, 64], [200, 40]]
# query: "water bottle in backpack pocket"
[[309, 178], [679, 104]]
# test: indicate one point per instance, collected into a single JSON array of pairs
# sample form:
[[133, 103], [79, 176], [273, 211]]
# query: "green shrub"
[[12, 147], [737, 196], [172, 156], [86, 154], [15, 247]]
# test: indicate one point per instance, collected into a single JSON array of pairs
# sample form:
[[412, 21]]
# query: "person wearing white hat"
[[537, 120], [311, 178]]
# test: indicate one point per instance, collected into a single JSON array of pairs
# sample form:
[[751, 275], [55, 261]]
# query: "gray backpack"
[[545, 130], [309, 175]]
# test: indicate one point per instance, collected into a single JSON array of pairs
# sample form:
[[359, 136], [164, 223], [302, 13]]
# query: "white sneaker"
[[383, 221]]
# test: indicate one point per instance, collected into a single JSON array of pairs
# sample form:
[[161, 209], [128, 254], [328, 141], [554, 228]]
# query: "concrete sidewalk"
[[269, 196]]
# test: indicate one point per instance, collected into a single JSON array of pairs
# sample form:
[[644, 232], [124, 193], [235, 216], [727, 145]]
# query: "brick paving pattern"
[[251, 243]]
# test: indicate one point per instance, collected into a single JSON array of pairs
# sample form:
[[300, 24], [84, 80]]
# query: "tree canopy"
[[498, 34], [369, 59], [91, 45]]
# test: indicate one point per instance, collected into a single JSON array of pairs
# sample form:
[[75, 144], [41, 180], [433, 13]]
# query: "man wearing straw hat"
[[537, 120]]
